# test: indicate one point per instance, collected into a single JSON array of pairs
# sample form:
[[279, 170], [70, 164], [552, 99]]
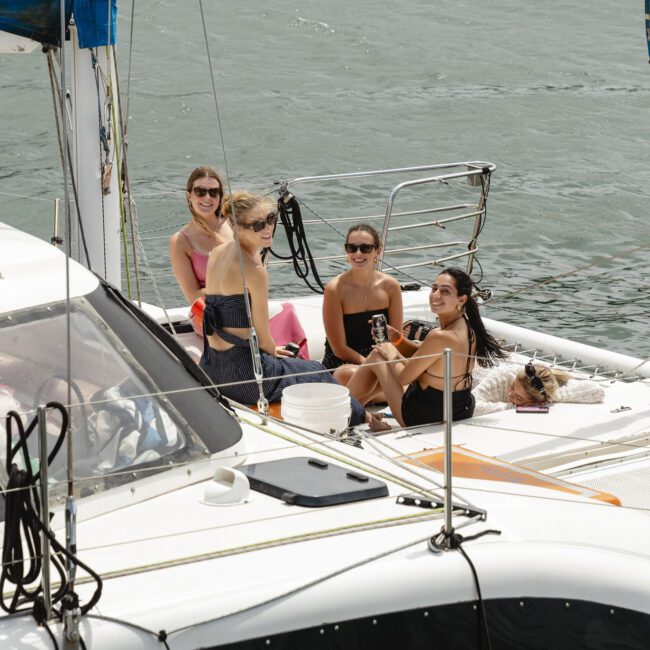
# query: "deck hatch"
[[312, 482]]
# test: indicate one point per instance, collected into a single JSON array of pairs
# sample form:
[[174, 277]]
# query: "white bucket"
[[320, 407]]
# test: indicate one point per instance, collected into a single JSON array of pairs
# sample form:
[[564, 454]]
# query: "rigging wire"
[[125, 108], [312, 583], [62, 117], [126, 207], [137, 241], [65, 120], [256, 359]]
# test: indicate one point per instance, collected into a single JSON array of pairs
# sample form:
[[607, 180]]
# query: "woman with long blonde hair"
[[227, 357], [506, 387]]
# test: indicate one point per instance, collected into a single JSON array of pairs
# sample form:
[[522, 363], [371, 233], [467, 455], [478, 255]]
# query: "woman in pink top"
[[190, 246]]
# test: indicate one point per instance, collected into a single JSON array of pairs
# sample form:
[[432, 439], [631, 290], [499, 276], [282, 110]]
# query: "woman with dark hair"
[[413, 380], [190, 246], [351, 299]]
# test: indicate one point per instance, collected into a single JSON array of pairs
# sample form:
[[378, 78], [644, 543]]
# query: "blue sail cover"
[[40, 20], [96, 22], [35, 19]]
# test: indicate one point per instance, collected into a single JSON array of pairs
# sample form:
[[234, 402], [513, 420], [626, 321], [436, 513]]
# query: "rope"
[[317, 581], [102, 144], [454, 541], [23, 520], [300, 253]]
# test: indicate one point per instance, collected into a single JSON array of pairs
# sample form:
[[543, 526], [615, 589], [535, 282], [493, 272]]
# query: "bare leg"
[[344, 374], [363, 384], [378, 370], [393, 390]]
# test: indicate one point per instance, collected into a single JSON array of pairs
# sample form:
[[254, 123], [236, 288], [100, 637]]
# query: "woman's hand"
[[280, 351], [388, 351], [394, 334]]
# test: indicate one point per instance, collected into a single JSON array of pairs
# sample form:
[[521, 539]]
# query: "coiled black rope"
[[23, 523], [303, 260]]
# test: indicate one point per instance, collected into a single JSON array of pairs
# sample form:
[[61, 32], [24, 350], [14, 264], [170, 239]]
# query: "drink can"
[[379, 328]]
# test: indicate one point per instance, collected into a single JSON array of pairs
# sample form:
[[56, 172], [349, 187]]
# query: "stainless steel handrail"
[[448, 415], [473, 171], [477, 165]]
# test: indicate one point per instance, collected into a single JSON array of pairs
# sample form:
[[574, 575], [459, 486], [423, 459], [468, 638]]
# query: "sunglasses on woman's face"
[[214, 192], [364, 248], [536, 381], [260, 224]]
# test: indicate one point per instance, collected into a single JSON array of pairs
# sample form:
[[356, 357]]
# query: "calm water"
[[557, 95]]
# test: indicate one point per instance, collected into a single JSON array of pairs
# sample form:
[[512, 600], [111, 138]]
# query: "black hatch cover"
[[312, 482]]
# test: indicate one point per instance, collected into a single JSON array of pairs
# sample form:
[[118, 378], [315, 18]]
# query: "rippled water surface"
[[557, 95]]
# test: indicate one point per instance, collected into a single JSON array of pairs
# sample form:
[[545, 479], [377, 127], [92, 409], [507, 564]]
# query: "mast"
[[96, 142]]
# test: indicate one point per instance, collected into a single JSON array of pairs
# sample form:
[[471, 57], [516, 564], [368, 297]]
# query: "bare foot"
[[376, 422]]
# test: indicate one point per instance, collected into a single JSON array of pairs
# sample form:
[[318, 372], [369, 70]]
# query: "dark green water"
[[557, 95]]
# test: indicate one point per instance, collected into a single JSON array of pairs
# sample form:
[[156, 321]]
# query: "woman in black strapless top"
[[353, 297]]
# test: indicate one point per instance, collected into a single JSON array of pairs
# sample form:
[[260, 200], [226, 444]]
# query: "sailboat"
[[154, 513]]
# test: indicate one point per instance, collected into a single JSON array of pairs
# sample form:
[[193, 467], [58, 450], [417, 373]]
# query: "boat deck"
[[603, 446]]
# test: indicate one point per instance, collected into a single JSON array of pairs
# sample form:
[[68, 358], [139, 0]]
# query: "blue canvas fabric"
[[96, 22], [39, 20]]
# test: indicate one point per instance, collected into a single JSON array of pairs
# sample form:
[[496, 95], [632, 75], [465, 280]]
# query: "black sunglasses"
[[259, 225], [536, 381], [364, 248], [214, 192]]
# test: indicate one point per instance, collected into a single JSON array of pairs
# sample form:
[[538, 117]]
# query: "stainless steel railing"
[[475, 173]]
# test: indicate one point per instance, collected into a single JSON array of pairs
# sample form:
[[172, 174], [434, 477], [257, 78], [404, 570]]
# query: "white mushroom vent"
[[228, 487]]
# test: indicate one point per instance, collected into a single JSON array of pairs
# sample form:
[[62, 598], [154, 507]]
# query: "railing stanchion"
[[448, 414], [56, 236], [45, 512]]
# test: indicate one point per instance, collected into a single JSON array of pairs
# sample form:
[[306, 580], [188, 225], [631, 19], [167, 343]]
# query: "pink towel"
[[286, 327]]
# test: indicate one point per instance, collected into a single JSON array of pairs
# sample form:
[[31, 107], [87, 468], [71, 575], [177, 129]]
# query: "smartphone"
[[532, 408], [292, 347]]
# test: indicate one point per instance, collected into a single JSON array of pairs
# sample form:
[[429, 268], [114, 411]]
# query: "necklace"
[[453, 320], [365, 289]]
